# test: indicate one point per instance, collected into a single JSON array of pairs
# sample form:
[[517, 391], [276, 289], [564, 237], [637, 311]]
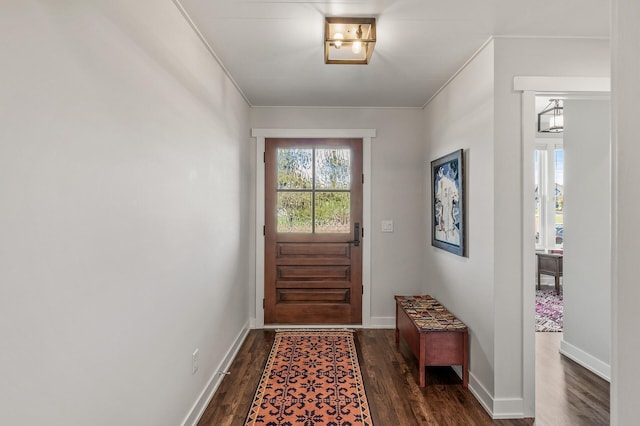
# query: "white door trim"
[[260, 135], [529, 86]]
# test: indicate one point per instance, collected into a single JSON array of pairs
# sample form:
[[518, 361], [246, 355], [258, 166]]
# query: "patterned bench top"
[[428, 314]]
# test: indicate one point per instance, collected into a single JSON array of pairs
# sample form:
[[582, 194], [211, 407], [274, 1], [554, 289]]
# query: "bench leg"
[[465, 360], [397, 330], [422, 360]]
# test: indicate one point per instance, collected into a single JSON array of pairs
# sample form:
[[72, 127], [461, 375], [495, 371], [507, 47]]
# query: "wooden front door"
[[313, 218]]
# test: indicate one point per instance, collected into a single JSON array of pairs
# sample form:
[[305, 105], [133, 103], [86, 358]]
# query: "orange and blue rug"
[[312, 378]]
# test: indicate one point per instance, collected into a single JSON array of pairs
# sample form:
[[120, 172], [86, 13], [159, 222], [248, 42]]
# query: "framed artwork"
[[447, 203]]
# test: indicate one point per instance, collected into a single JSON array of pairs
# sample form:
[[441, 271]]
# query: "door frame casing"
[[529, 87], [260, 135]]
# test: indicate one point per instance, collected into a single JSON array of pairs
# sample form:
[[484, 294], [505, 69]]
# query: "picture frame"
[[448, 215]]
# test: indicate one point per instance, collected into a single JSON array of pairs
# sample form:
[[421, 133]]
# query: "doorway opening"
[[529, 88]]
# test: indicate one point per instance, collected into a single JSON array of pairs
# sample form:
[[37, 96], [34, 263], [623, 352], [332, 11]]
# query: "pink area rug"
[[549, 315]]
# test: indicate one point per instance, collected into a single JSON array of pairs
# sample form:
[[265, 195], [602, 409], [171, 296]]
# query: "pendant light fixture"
[[551, 119]]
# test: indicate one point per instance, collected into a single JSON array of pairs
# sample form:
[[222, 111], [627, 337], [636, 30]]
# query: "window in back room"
[[549, 194]]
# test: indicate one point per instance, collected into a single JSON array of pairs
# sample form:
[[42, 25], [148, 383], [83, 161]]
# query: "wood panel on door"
[[313, 217]]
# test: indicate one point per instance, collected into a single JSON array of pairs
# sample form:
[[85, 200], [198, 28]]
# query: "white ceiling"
[[273, 49]]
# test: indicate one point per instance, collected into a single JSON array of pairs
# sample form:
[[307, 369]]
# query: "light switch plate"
[[387, 226]]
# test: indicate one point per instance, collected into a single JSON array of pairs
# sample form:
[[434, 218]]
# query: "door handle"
[[356, 235]]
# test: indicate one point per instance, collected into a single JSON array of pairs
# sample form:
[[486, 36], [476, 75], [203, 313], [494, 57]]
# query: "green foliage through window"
[[313, 190]]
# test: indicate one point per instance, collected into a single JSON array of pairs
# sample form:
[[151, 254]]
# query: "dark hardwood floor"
[[391, 382], [567, 393]]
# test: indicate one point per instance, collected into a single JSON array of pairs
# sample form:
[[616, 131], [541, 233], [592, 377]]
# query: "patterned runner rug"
[[312, 378], [549, 314]]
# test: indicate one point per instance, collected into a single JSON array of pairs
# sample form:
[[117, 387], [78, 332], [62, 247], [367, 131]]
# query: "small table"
[[550, 264]]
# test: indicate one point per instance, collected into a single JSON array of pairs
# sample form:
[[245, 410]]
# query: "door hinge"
[[362, 233], [264, 157], [363, 178], [264, 230], [362, 289], [262, 303]]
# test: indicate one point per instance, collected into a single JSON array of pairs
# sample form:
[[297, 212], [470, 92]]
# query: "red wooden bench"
[[433, 334]]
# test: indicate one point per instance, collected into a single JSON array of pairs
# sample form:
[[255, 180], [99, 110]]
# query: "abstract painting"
[[447, 203]]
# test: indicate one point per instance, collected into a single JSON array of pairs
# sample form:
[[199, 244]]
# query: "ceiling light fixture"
[[551, 119], [359, 34]]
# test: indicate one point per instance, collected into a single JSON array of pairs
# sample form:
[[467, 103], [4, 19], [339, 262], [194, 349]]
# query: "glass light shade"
[[556, 121], [356, 47], [338, 40]]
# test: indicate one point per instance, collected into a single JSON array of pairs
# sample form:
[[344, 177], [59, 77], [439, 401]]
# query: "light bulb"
[[338, 37], [356, 47]]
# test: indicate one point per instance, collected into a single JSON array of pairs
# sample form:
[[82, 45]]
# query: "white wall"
[[461, 116], [522, 57], [499, 367], [626, 211], [397, 189], [124, 184], [587, 244]]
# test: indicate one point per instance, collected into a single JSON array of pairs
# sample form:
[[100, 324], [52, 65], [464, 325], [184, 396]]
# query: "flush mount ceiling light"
[[551, 119], [349, 40]]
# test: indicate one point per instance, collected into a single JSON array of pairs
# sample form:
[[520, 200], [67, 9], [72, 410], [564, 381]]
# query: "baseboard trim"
[[586, 360], [376, 322], [497, 408], [383, 322], [508, 408], [482, 395], [214, 382], [303, 326]]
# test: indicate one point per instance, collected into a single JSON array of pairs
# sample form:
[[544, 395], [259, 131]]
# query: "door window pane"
[[332, 213], [333, 169], [294, 212], [295, 168], [313, 191]]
